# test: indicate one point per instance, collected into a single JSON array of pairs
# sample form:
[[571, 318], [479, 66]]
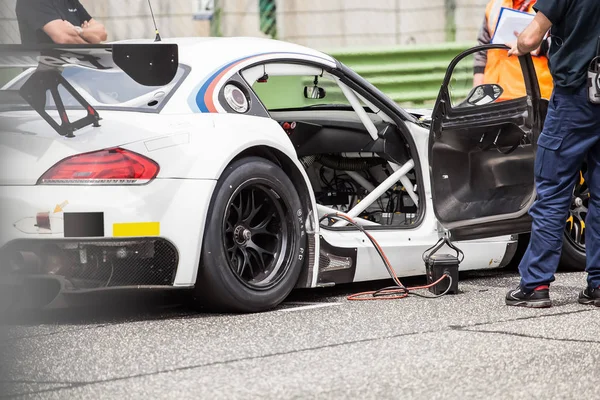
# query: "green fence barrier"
[[268, 17], [410, 75]]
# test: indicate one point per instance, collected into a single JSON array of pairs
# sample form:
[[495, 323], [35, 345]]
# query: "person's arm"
[[531, 38], [483, 38], [549, 12], [43, 15], [93, 31], [63, 32]]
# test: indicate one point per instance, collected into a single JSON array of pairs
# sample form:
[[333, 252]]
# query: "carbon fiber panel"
[[93, 264]]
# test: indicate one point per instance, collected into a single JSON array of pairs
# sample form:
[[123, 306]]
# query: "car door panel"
[[482, 157]]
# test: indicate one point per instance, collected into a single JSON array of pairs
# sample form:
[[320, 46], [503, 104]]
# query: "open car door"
[[482, 150]]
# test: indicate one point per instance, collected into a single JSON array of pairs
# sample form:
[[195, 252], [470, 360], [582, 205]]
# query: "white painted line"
[[307, 306]]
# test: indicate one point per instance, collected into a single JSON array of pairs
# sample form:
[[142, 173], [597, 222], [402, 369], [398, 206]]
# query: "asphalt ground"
[[316, 345]]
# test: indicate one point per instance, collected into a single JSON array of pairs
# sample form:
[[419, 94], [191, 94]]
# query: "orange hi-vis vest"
[[506, 71]]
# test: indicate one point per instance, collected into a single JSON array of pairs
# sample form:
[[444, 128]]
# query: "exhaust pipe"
[[24, 262], [39, 292], [34, 282]]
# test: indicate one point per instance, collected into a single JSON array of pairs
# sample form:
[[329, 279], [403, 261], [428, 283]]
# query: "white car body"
[[193, 139]]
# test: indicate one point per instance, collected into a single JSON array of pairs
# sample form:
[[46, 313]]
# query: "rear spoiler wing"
[[149, 64]]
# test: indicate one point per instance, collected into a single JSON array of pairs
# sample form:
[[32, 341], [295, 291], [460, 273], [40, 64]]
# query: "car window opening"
[[353, 154]]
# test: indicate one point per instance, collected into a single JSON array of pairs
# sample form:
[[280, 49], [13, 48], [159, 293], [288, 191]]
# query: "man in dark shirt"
[[571, 135], [57, 21]]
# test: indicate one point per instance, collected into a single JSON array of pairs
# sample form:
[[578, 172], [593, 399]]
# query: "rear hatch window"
[[103, 89]]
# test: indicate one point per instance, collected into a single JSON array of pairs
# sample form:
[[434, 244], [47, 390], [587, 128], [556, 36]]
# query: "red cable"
[[387, 294], [404, 292]]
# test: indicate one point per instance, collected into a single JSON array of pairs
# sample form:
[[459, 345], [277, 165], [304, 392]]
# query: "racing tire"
[[573, 255], [573, 252], [572, 258], [254, 240]]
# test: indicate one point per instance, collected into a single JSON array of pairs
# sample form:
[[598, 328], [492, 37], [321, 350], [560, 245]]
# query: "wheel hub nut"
[[242, 235]]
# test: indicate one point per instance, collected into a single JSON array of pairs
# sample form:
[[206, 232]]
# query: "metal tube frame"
[[407, 185], [360, 180], [378, 192], [323, 210]]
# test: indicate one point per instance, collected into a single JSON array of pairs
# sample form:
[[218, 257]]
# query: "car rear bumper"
[[103, 237]]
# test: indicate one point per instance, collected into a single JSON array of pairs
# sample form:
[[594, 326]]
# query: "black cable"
[[360, 228], [323, 179], [380, 204], [402, 289], [390, 205], [435, 296], [407, 291], [397, 289], [335, 180]]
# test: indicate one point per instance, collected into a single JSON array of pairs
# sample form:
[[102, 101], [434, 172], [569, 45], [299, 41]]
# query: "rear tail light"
[[114, 166]]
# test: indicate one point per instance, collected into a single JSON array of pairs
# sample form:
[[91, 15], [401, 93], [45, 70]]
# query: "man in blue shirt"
[[57, 21], [571, 135]]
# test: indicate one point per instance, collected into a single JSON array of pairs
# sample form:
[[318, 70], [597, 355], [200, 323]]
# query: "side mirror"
[[483, 94], [314, 92]]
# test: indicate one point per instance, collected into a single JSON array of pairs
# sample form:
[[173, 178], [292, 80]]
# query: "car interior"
[[482, 164], [349, 148]]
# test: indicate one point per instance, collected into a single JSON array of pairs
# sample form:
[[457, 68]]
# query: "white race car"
[[218, 164]]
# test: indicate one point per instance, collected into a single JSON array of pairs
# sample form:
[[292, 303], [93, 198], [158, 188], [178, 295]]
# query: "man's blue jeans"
[[571, 135]]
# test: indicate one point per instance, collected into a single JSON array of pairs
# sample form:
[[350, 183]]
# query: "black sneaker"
[[590, 296], [538, 298]]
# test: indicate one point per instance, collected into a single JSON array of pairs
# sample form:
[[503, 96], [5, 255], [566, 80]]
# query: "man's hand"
[[531, 38], [63, 32], [514, 48], [93, 32]]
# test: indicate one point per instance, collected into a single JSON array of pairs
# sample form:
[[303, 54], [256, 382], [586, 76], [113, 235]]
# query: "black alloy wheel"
[[256, 235], [573, 254], [254, 245]]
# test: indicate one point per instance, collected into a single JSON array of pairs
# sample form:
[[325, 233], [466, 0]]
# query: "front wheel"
[[573, 253], [254, 242]]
